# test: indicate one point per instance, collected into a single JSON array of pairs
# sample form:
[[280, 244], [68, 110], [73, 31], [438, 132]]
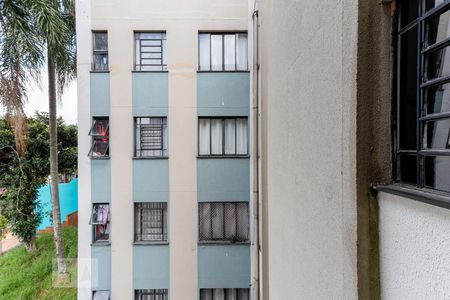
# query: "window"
[[423, 94], [151, 137], [100, 295], [222, 136], [100, 51], [100, 137], [224, 294], [151, 51], [100, 222], [152, 294], [223, 221], [151, 222], [222, 52]]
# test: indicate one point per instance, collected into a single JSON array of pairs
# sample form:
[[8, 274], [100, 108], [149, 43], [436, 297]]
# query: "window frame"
[[95, 137], [224, 240], [223, 34], [164, 222], [138, 293], [94, 225], [99, 52], [138, 67], [164, 138], [223, 155], [421, 153], [226, 292]]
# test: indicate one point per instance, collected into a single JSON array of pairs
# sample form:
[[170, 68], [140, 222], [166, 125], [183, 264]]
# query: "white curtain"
[[216, 52], [232, 294], [205, 51], [230, 51], [216, 136], [241, 136], [205, 221], [242, 220], [242, 51], [230, 220], [230, 136], [204, 136], [217, 220], [219, 294]]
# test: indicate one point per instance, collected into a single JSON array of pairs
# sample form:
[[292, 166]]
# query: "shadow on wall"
[[68, 198]]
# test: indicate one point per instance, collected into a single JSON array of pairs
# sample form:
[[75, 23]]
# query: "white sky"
[[38, 100]]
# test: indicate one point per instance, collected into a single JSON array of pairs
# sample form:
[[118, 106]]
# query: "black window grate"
[[151, 137], [223, 221], [151, 221], [224, 294], [152, 294]]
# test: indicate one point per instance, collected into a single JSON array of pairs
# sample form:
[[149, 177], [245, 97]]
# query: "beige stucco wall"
[[181, 20], [308, 94]]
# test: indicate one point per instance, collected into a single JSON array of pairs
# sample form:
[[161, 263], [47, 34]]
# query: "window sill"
[[150, 243], [99, 157], [137, 71], [150, 157], [424, 195], [218, 71], [101, 244], [205, 243], [92, 71], [222, 156]]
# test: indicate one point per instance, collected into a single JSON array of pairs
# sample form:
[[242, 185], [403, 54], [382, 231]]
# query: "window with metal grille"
[[151, 294], [151, 137], [100, 222], [222, 136], [224, 294], [100, 137], [223, 221], [151, 51], [222, 51], [100, 51], [151, 222], [423, 94], [101, 295]]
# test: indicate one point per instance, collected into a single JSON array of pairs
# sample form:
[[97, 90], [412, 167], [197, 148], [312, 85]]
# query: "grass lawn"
[[29, 276]]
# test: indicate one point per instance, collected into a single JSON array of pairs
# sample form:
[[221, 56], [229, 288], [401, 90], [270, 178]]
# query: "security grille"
[[151, 221], [224, 294], [223, 221], [151, 294], [151, 137], [151, 51]]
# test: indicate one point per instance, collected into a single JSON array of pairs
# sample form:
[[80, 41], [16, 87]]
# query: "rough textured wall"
[[373, 133], [414, 249], [308, 88]]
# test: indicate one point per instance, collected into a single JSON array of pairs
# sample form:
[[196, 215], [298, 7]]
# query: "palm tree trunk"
[[59, 244]]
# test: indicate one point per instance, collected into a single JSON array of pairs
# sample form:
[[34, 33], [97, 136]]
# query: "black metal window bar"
[[100, 222], [151, 51], [151, 137], [423, 94], [223, 221], [222, 52], [100, 51], [151, 294], [100, 137], [224, 294], [151, 222], [223, 137]]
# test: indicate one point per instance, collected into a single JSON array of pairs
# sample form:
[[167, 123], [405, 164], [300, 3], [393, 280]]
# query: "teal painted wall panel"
[[99, 94], [150, 94], [150, 266], [101, 267], [224, 266], [223, 93], [100, 180], [150, 180], [226, 179]]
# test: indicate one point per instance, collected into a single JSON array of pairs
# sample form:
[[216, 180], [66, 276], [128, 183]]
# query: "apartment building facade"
[[164, 150]]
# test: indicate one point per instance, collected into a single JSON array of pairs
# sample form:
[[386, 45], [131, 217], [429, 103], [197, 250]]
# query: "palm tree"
[[29, 29]]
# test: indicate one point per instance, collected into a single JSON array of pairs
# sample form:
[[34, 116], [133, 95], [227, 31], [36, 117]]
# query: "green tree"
[[22, 175], [29, 29]]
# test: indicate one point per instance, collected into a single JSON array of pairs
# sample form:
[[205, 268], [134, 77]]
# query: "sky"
[[38, 100]]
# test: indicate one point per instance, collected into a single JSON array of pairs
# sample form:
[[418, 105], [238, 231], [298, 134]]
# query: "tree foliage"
[[22, 175]]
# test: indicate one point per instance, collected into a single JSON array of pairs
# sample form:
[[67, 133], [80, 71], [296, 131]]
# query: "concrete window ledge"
[[423, 195]]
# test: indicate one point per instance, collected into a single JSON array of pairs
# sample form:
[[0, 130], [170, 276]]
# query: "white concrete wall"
[[308, 88], [414, 249]]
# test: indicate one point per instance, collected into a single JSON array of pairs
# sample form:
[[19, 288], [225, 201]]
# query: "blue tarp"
[[68, 200]]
